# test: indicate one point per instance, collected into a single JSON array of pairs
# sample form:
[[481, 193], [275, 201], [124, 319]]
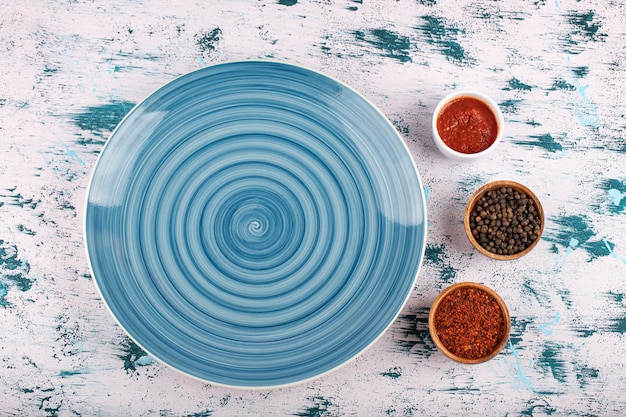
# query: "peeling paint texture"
[[72, 70]]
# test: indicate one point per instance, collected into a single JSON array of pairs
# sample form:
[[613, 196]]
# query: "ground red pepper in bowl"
[[469, 323]]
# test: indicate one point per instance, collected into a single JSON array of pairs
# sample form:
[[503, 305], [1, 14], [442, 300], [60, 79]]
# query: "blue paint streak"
[[66, 374], [616, 196], [437, 32], [518, 369], [615, 201], [584, 108], [550, 361], [14, 272], [547, 327], [574, 232], [207, 40], [73, 155], [320, 407], [68, 152], [612, 253], [436, 255], [145, 361], [546, 142], [573, 244], [392, 45]]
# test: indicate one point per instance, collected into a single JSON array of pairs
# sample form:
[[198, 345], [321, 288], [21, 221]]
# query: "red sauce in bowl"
[[467, 125]]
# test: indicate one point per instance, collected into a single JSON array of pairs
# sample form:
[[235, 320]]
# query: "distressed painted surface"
[[73, 69]]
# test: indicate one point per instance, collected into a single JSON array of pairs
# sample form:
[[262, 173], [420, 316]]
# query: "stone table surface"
[[71, 69]]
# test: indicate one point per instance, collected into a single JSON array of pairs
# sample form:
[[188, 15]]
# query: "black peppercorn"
[[505, 221]]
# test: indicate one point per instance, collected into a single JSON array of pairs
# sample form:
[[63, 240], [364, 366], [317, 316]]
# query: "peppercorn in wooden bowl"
[[469, 323], [504, 220]]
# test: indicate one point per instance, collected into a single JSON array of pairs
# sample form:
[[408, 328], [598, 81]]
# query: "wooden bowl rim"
[[433, 331], [492, 186]]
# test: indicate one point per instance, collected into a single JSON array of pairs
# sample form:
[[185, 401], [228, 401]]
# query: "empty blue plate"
[[255, 224]]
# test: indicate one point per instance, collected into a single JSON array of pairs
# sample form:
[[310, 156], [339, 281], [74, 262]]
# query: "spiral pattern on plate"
[[255, 224]]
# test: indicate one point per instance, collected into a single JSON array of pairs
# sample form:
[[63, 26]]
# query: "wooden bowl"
[[505, 315], [493, 186]]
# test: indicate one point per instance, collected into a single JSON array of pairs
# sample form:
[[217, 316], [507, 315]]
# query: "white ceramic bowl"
[[456, 155]]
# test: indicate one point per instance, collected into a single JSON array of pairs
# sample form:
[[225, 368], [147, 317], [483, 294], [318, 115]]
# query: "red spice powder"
[[467, 125], [469, 323]]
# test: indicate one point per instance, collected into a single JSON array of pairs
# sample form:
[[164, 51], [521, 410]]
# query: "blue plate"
[[255, 224]]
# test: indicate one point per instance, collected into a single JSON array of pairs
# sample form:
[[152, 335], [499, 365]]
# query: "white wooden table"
[[72, 69]]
